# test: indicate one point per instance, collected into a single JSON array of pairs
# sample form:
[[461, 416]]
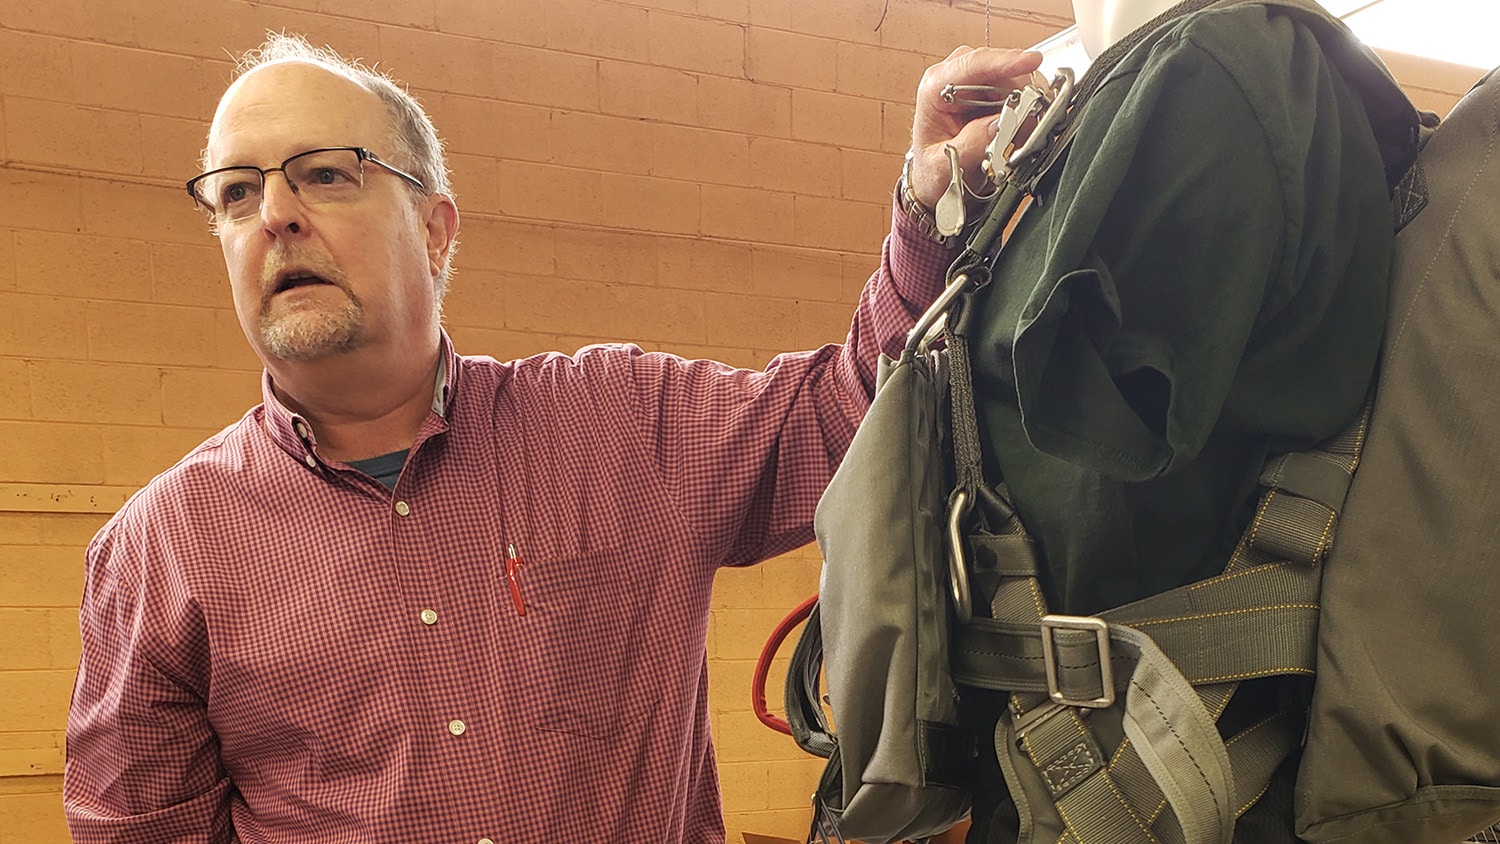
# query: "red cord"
[[763, 665]]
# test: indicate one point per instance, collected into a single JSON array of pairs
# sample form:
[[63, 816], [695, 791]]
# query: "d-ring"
[[959, 505]]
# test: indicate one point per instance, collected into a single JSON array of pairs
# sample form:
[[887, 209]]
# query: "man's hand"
[[968, 128]]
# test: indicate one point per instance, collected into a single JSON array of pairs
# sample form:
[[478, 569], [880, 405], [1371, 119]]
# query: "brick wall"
[[709, 177]]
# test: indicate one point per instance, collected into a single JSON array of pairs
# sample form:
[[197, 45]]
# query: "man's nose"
[[281, 209]]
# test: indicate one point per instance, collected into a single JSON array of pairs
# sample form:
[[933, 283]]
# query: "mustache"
[[282, 260]]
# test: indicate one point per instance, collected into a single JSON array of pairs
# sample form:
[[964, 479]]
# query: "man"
[[415, 596]]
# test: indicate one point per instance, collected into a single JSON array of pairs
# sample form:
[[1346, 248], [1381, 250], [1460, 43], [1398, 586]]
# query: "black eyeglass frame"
[[360, 152]]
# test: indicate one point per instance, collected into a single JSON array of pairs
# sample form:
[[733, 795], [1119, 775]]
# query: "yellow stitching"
[[1245, 808], [1269, 672], [1109, 781], [1037, 602], [1228, 576], [1223, 613]]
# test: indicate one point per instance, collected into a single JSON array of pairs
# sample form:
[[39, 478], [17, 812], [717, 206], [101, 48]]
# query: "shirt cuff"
[[918, 264]]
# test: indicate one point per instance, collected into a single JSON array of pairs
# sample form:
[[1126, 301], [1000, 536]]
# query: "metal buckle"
[[1100, 628]]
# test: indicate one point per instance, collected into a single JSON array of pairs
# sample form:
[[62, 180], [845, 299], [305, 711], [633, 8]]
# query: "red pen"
[[513, 564]]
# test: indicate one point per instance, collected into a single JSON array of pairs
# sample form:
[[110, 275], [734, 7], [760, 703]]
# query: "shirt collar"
[[294, 434]]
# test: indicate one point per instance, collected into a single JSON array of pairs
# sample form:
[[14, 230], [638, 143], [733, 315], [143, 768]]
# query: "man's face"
[[315, 280]]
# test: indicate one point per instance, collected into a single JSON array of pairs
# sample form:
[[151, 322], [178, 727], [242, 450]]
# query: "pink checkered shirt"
[[277, 648]]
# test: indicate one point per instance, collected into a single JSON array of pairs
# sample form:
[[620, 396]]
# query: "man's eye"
[[330, 176], [237, 193]]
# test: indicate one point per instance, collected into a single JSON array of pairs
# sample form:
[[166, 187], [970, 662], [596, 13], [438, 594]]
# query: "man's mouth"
[[297, 278]]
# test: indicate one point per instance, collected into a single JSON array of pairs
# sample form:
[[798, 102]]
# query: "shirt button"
[[300, 428], [429, 616], [403, 509], [311, 461], [485, 841], [456, 727]]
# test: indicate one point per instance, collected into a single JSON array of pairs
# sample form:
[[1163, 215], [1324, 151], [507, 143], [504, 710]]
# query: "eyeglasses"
[[330, 174]]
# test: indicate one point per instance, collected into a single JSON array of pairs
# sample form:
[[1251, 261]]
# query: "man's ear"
[[441, 219]]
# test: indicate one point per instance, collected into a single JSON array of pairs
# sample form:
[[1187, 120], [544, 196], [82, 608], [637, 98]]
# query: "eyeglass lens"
[[318, 176]]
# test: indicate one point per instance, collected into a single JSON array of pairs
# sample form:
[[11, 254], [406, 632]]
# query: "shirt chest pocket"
[[587, 634]]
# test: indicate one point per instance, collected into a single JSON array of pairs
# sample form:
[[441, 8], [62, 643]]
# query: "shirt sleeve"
[[744, 455], [1175, 235], [142, 759]]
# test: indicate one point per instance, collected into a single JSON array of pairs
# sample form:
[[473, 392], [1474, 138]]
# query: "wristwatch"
[[915, 211]]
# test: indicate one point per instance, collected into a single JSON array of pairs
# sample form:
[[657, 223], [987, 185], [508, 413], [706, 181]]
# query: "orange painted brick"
[[28, 639], [47, 201], [601, 142], [840, 223], [35, 817], [895, 126], [729, 682], [645, 91], [596, 310], [835, 119], [794, 167], [791, 273], [171, 147], [73, 530], [8, 281], [397, 12], [772, 14], [80, 19], [45, 452], [135, 454], [777, 823], [130, 332], [476, 182], [206, 398], [791, 581], [743, 786], [42, 327], [544, 77], [742, 738], [649, 204], [791, 784], [737, 587], [74, 391], [742, 632], [747, 214], [741, 106], [697, 44], [476, 298], [752, 321], [507, 246], [882, 74], [142, 212], [532, 191], [15, 389], [200, 29], [39, 576], [498, 343], [821, 322], [511, 21], [627, 258], [149, 82], [700, 264], [596, 28], [34, 65], [869, 176], [790, 58], [854, 20], [189, 275], [82, 266], [230, 348], [700, 155], [36, 698], [486, 127], [438, 61], [932, 29], [65, 638], [737, 11]]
